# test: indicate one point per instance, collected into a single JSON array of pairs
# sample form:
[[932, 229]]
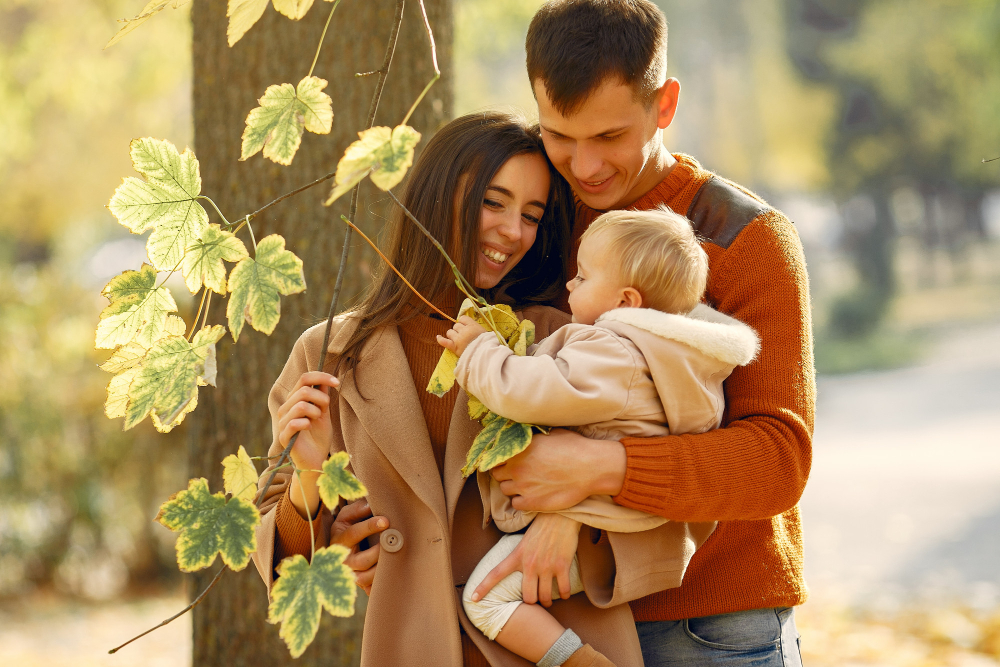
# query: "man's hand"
[[353, 524], [545, 553], [459, 336], [559, 470]]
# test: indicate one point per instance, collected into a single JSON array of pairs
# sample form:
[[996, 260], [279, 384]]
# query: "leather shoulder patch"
[[720, 211]]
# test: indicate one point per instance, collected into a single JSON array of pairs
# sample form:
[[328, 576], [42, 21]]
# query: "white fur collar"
[[704, 328]]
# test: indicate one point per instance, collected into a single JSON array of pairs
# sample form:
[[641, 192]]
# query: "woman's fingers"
[[314, 378], [363, 560], [353, 535], [530, 588], [511, 563], [304, 396], [562, 580], [366, 578]]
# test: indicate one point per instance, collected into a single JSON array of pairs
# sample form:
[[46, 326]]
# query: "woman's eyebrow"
[[508, 193]]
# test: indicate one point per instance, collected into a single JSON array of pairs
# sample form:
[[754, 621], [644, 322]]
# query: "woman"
[[483, 188]]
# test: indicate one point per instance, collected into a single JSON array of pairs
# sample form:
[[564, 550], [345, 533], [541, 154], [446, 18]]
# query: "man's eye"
[[611, 138]]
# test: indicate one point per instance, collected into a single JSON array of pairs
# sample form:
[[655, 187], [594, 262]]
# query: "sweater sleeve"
[[579, 375], [757, 465]]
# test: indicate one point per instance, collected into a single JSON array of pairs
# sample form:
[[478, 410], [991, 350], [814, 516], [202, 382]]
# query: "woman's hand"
[[306, 411], [353, 524], [459, 336], [545, 553]]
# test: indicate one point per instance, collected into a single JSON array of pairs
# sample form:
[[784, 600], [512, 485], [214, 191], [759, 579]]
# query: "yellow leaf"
[[239, 475], [243, 14]]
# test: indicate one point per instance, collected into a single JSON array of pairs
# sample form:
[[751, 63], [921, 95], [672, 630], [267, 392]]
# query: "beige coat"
[[637, 372], [415, 606]]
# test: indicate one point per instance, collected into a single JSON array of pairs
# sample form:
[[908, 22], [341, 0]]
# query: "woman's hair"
[[444, 191], [657, 253]]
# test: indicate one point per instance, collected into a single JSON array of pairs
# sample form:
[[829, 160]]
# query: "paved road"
[[904, 496]]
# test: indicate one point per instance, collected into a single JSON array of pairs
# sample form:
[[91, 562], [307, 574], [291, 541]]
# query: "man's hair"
[[657, 253], [573, 46]]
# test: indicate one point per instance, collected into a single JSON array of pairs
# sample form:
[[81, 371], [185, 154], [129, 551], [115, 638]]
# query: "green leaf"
[[203, 260], [336, 482], [165, 202], [239, 475], [486, 439], [303, 590], [147, 12], [137, 312], [383, 152], [210, 525], [169, 379], [285, 112], [476, 408], [523, 338], [443, 377], [512, 439], [293, 9], [256, 285], [243, 14]]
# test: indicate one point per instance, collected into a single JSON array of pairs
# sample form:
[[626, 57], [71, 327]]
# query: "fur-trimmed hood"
[[705, 329]]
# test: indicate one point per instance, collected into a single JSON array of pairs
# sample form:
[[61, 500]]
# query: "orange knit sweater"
[[749, 474]]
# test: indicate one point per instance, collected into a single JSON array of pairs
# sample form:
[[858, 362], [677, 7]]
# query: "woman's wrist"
[[610, 465], [304, 494]]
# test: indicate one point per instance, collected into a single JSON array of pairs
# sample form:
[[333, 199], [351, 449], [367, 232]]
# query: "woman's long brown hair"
[[475, 147]]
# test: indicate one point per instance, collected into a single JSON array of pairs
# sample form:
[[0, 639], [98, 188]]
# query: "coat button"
[[391, 540]]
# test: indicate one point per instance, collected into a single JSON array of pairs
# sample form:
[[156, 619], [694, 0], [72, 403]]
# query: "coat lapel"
[[400, 433], [461, 433]]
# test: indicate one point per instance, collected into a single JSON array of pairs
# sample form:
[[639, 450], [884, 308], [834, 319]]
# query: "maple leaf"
[[208, 525], [243, 14], [165, 202], [336, 482], [239, 475], [285, 112], [304, 589], [257, 285], [137, 312], [169, 378], [385, 153], [203, 260]]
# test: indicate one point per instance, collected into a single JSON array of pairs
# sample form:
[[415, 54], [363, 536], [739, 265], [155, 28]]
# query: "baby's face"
[[596, 289]]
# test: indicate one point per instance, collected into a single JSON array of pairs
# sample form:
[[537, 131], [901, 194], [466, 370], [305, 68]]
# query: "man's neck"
[[657, 168]]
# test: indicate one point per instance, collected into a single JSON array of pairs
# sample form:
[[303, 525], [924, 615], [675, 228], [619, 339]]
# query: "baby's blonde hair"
[[655, 252]]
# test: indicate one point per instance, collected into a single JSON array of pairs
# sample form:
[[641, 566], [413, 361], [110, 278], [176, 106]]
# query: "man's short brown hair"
[[573, 46]]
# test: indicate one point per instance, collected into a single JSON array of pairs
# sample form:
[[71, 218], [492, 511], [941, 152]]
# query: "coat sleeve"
[[757, 465], [579, 375], [282, 532]]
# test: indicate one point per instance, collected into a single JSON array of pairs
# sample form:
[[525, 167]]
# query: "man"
[[598, 71]]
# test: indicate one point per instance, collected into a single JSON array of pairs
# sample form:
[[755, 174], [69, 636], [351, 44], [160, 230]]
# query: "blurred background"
[[866, 121]]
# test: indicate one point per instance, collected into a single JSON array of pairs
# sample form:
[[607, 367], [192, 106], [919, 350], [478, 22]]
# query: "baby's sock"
[[567, 644]]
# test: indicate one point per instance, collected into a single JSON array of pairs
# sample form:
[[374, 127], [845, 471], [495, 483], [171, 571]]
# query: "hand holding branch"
[[461, 334]]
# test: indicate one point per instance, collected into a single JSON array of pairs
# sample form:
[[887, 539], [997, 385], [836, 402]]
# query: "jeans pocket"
[[742, 631]]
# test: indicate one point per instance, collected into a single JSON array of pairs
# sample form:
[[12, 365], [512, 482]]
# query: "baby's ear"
[[630, 298]]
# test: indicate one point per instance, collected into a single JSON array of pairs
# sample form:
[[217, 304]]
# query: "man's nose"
[[587, 162]]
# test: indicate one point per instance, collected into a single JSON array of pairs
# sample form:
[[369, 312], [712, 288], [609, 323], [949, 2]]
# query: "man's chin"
[[599, 202]]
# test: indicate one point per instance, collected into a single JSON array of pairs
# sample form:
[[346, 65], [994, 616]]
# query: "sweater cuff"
[[648, 476], [292, 531]]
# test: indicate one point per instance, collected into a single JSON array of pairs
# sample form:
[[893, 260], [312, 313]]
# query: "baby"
[[643, 358]]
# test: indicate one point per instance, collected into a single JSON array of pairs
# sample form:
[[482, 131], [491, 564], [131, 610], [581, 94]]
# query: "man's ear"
[[666, 101], [630, 298]]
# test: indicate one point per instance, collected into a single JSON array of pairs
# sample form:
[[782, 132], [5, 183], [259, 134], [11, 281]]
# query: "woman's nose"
[[511, 227]]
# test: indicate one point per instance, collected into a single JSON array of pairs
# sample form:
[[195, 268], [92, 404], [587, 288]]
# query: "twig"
[[319, 47], [992, 159], [294, 192], [194, 323], [395, 270], [218, 575], [434, 62]]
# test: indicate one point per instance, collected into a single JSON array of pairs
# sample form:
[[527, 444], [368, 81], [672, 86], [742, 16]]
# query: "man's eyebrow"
[[507, 193], [613, 130]]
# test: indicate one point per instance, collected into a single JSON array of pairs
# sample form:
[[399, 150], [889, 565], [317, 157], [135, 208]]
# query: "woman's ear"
[[630, 298]]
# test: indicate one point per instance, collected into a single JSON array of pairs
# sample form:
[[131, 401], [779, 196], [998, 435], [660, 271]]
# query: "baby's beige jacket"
[[637, 372]]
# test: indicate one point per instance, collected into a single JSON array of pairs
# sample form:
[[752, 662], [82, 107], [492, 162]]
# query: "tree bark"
[[230, 626]]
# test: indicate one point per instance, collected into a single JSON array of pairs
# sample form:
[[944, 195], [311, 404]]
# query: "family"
[[658, 522]]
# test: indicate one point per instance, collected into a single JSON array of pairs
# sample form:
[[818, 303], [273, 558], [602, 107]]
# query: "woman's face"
[[511, 210]]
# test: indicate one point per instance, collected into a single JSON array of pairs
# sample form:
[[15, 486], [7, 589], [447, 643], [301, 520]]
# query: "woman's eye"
[[491, 203], [531, 218]]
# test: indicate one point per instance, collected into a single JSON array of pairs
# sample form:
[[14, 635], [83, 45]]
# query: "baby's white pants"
[[492, 612]]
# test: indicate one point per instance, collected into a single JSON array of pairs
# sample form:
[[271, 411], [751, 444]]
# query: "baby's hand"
[[459, 336]]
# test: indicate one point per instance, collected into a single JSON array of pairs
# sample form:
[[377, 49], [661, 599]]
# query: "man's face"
[[610, 149]]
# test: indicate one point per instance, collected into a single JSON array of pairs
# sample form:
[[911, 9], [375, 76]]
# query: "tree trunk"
[[230, 626]]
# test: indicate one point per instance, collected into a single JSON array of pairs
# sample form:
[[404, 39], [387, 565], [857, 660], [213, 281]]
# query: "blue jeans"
[[759, 637]]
